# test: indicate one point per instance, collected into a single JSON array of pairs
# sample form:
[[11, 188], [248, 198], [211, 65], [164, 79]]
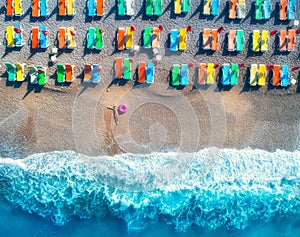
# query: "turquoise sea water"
[[221, 193]]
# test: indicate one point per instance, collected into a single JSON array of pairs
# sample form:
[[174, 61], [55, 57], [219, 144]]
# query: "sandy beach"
[[160, 117]]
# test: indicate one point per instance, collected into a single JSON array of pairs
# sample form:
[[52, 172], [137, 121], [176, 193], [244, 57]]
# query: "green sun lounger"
[[147, 37], [90, 38], [259, 10], [61, 73], [234, 76], [99, 39], [239, 40], [121, 7], [176, 75], [186, 6], [11, 71], [149, 7], [33, 74], [126, 69], [158, 7], [42, 80]]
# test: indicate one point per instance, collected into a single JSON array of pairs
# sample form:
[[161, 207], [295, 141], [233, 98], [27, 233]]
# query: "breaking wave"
[[182, 189]]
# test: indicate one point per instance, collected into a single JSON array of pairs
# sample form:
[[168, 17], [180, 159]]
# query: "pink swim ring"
[[122, 108]]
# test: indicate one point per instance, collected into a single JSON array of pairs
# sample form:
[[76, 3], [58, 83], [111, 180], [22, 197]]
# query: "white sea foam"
[[183, 188]]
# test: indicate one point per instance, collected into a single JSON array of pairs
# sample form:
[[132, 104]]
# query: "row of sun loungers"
[[178, 39], [260, 41], [64, 73], [123, 68], [237, 9], [146, 72], [211, 7], [180, 75], [14, 36], [181, 6], [154, 7], [66, 8], [96, 8], [235, 40], [210, 39], [95, 38], [262, 9], [287, 10], [125, 38], [151, 37], [287, 40], [92, 73], [39, 37]]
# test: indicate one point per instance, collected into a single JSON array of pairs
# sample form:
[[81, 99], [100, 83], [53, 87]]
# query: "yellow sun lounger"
[[264, 40], [256, 41], [206, 7], [210, 74], [71, 7], [182, 39], [129, 38], [71, 44], [18, 7], [262, 74], [177, 6], [10, 36], [253, 75], [20, 76]]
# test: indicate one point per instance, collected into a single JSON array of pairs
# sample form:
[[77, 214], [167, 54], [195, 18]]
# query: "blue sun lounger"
[[267, 9], [43, 8], [184, 75], [91, 8], [284, 75], [225, 74], [215, 5], [291, 10], [18, 38], [174, 40], [43, 42], [96, 73], [150, 72]]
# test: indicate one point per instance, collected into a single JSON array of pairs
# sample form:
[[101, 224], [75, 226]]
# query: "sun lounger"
[[87, 73], [174, 40], [71, 44], [69, 72], [35, 37], [241, 9], [184, 75], [207, 7], [158, 7], [253, 75], [182, 39], [20, 71], [149, 7], [283, 10], [206, 39], [18, 36], [126, 69], [291, 40], [35, 8], [284, 76], [33, 74], [177, 6], [129, 7], [256, 41], [121, 7], [61, 73], [262, 74], [291, 10], [264, 40], [231, 40], [9, 8], [121, 38], [119, 68], [71, 8], [62, 8], [185, 6], [232, 9], [18, 7], [147, 37], [96, 73], [214, 39], [10, 37], [155, 37], [43, 43], [176, 75], [259, 10], [215, 5], [129, 38], [92, 8], [276, 75], [150, 72], [42, 77], [234, 75], [202, 74], [99, 43], [239, 40], [142, 72], [210, 79], [267, 9], [282, 41], [62, 37], [225, 74], [43, 8], [100, 8], [11, 71], [90, 38]]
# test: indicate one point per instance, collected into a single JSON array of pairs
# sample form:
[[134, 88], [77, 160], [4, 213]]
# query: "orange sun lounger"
[[121, 38], [291, 40], [35, 8], [231, 40], [87, 73], [35, 37], [69, 72], [232, 9], [62, 37], [202, 74], [276, 75], [282, 41], [283, 10], [62, 10], [9, 8], [155, 37], [214, 39], [100, 8], [119, 68], [206, 39], [142, 72]]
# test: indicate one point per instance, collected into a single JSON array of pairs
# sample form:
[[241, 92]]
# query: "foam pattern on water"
[[241, 186]]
